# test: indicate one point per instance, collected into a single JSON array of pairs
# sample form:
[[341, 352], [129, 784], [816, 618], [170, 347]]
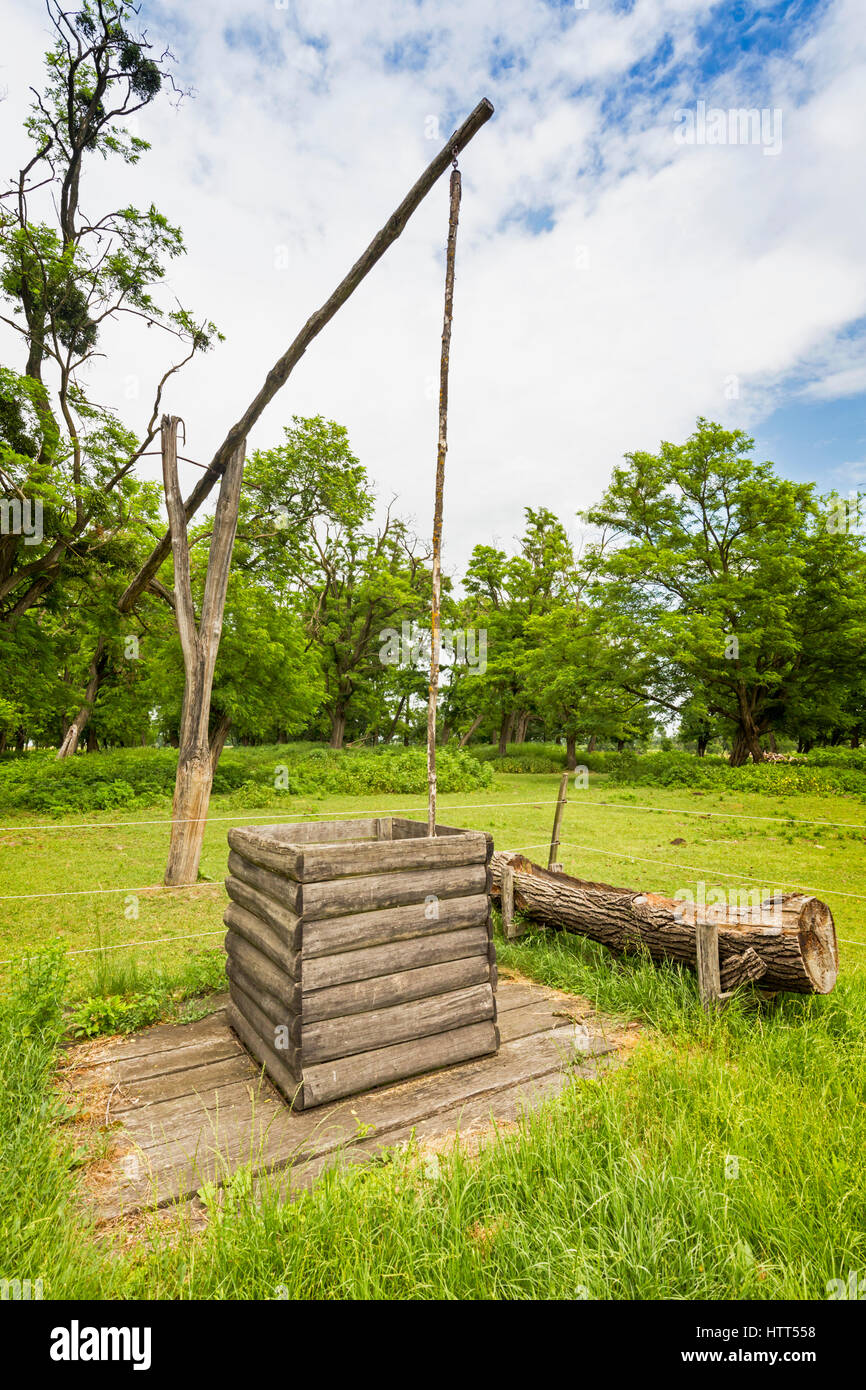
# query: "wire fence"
[[454, 811]]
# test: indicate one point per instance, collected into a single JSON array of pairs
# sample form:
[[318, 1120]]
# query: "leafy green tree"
[[725, 575]]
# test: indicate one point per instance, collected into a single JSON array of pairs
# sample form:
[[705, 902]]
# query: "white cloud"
[[702, 262]]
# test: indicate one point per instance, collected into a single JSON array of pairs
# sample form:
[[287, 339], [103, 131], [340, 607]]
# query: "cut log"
[[793, 938]]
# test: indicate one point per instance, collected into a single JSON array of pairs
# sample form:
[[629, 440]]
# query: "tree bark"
[[197, 755], [571, 752], [470, 731], [505, 729], [338, 727], [795, 943], [69, 746]]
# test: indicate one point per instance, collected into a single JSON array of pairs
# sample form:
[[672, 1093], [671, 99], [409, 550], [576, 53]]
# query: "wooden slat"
[[207, 1145], [348, 1075], [250, 913], [340, 897], [385, 991], [279, 892], [266, 974], [360, 930], [336, 1039], [323, 863], [278, 1071], [274, 1010], [243, 1004], [323, 972]]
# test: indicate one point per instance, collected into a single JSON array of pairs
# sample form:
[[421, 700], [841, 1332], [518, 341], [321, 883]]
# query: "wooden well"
[[359, 952]]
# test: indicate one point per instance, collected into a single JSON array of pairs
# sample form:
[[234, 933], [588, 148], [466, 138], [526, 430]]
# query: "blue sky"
[[614, 280]]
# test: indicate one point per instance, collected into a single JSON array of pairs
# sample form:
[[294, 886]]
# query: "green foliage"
[[138, 777]]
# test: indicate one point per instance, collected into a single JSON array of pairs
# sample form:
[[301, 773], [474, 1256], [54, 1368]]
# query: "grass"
[[725, 1161]]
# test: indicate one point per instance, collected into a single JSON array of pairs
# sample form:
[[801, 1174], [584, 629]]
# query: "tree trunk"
[[771, 741], [470, 731], [789, 947], [92, 740], [571, 752], [198, 755], [396, 720], [20, 738], [505, 729], [69, 746], [855, 736], [520, 727], [338, 727], [590, 747]]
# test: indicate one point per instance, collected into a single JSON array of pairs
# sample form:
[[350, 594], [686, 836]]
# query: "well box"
[[359, 952]]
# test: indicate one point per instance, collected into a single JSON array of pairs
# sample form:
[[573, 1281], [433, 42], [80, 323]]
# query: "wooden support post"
[[709, 979], [507, 903], [557, 823]]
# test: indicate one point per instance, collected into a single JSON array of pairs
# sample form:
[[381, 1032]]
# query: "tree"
[[65, 275], [727, 577]]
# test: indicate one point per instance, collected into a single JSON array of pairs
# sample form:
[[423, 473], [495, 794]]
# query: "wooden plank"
[[206, 1148], [707, 945], [266, 974], [323, 972], [275, 1028], [245, 990], [202, 1082], [326, 863], [340, 897], [398, 987], [347, 1075], [245, 915], [166, 1060], [358, 931], [322, 1128], [279, 1071], [283, 892], [161, 1037], [335, 1039]]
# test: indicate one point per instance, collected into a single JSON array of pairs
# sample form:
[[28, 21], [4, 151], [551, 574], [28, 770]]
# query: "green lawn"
[[726, 1160]]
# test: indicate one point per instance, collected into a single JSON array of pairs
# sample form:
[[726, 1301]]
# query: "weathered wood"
[[394, 988], [280, 1074], [267, 1015], [322, 863], [441, 450], [380, 928], [740, 970], [261, 969], [507, 902], [378, 1028], [557, 821], [800, 955], [214, 1124], [707, 953], [323, 972], [281, 369], [261, 934], [346, 1076], [337, 898], [285, 892]]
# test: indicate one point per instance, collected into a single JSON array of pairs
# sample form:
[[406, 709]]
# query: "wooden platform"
[[187, 1105]]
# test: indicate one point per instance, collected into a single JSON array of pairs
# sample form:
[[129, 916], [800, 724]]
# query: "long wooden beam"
[[279, 373]]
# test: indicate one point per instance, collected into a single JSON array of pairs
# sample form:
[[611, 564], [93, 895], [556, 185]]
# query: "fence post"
[[552, 865], [709, 980], [507, 903]]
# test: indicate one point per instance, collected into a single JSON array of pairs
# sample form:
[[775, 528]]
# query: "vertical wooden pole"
[[507, 902], [557, 823], [438, 505], [709, 979]]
